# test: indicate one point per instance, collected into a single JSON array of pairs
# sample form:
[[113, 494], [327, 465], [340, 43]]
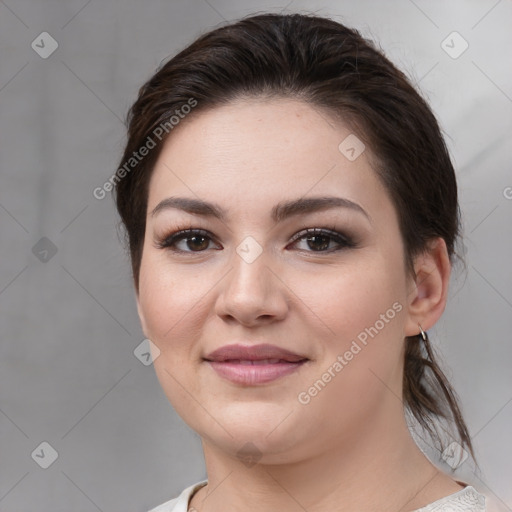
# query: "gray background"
[[68, 374]]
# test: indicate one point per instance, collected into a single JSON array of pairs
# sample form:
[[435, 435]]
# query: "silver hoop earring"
[[423, 333]]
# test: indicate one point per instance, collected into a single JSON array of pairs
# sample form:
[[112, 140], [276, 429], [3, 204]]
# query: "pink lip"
[[256, 364]]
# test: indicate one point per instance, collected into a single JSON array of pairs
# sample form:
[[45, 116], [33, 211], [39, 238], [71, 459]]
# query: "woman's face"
[[335, 299]]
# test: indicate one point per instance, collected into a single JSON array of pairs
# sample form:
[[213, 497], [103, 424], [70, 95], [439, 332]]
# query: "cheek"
[[172, 302], [347, 299], [174, 305], [356, 314], [360, 368]]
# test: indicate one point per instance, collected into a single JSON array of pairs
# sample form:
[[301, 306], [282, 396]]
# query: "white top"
[[465, 500]]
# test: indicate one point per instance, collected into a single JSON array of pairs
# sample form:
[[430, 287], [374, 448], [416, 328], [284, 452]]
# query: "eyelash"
[[344, 242]]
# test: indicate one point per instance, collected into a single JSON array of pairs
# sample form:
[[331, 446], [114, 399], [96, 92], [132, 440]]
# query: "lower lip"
[[250, 374]]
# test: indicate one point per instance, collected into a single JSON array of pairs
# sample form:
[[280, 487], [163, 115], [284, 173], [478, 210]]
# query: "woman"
[[291, 212]]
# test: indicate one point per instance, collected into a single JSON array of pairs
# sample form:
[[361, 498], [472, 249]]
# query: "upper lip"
[[253, 353]]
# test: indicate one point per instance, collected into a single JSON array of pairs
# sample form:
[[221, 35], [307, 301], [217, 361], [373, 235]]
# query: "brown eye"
[[321, 240], [189, 240], [318, 242], [197, 243]]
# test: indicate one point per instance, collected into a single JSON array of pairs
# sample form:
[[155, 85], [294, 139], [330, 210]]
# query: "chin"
[[254, 446], [268, 431]]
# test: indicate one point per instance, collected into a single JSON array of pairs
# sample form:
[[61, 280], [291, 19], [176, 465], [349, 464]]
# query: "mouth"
[[253, 365]]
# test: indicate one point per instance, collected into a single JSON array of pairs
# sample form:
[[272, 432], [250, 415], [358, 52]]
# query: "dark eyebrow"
[[313, 204], [280, 212], [193, 206]]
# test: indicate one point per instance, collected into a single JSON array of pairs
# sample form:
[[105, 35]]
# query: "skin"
[[349, 447]]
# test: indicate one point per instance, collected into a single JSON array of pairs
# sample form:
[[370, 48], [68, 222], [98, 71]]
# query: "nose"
[[251, 293]]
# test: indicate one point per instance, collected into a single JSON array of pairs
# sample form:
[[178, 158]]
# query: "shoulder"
[[465, 500], [179, 504]]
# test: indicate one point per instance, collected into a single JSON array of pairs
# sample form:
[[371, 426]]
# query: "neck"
[[381, 468]]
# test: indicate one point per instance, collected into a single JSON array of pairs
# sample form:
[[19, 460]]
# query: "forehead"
[[283, 128], [253, 151]]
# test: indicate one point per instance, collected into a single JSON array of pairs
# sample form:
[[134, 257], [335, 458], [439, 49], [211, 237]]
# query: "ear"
[[428, 289]]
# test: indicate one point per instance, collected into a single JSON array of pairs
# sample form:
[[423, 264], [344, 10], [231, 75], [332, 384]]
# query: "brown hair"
[[333, 68]]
